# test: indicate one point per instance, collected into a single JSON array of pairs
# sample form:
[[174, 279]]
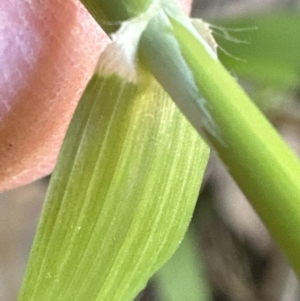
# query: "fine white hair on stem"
[[226, 33], [227, 53]]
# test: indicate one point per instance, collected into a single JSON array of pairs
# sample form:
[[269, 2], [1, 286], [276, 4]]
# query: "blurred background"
[[228, 254]]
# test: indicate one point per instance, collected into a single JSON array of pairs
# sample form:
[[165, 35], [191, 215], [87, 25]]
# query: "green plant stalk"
[[264, 167], [110, 14]]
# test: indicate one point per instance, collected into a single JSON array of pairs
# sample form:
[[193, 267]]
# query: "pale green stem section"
[[261, 163], [110, 13]]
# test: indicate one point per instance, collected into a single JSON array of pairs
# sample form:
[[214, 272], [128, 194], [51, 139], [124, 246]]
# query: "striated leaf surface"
[[121, 197]]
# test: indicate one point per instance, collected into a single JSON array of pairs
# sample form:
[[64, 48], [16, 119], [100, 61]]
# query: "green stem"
[[264, 167], [110, 14]]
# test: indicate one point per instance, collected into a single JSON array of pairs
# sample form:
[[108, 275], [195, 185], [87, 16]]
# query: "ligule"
[[121, 197]]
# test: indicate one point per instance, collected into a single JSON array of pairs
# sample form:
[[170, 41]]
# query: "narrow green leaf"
[[121, 197]]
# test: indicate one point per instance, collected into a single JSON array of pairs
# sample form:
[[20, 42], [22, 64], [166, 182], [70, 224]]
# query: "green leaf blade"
[[121, 197]]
